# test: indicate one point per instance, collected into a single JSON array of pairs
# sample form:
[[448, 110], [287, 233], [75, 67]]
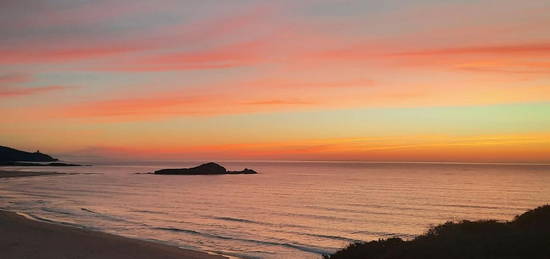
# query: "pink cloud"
[[10, 86], [72, 48], [240, 54], [61, 55]]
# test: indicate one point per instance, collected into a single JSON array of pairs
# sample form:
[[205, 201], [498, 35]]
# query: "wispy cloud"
[[173, 105], [233, 55], [542, 48], [524, 58], [155, 64], [278, 102], [128, 107], [508, 67], [12, 85], [14, 78], [23, 91], [62, 55], [180, 45]]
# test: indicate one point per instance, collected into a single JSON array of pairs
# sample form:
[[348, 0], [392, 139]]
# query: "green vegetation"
[[527, 236]]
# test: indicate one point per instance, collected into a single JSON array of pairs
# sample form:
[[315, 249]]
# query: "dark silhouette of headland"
[[13, 157], [204, 169], [527, 236]]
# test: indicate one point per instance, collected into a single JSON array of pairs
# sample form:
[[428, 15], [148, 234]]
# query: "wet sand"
[[22, 238]]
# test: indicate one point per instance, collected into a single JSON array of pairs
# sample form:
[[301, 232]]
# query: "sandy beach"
[[22, 238]]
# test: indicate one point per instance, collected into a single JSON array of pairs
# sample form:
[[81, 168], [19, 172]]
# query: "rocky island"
[[204, 169]]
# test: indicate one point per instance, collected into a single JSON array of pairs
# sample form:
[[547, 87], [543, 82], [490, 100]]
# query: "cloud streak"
[[10, 86], [541, 48], [14, 78], [6, 92], [176, 46], [234, 55], [63, 55]]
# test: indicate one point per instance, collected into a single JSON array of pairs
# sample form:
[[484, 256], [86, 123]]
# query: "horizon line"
[[329, 161]]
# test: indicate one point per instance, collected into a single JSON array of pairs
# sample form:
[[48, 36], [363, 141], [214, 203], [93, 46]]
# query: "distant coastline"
[[12, 154], [14, 157]]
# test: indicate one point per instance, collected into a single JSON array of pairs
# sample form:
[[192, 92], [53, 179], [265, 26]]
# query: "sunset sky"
[[394, 80]]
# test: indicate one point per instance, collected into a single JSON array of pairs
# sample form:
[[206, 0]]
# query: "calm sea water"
[[289, 210]]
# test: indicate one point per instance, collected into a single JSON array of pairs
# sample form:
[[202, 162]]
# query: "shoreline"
[[22, 237], [17, 174]]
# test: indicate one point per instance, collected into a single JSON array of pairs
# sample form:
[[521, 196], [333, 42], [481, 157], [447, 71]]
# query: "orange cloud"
[[241, 97], [531, 147], [517, 49], [131, 107], [217, 99], [510, 59], [525, 58], [509, 67], [357, 52], [171, 105], [381, 50], [279, 83], [278, 102]]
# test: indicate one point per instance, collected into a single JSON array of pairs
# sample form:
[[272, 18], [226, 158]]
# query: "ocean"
[[288, 210]]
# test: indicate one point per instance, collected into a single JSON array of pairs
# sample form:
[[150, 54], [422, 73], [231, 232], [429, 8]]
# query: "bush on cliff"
[[527, 236]]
